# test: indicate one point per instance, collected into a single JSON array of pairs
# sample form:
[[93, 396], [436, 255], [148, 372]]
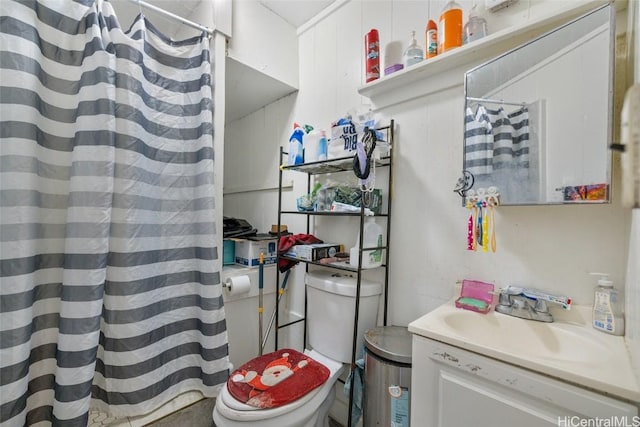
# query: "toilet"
[[330, 318]]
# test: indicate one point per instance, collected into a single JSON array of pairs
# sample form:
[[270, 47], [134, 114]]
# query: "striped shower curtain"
[[110, 274]]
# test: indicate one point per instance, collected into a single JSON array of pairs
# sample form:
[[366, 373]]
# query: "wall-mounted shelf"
[[436, 74]]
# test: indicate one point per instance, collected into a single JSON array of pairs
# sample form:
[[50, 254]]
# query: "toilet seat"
[[233, 409]]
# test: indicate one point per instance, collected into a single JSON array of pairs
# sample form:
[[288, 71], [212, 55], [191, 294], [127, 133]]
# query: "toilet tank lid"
[[341, 283]]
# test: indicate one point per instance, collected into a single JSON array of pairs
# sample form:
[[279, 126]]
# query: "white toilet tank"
[[331, 299]]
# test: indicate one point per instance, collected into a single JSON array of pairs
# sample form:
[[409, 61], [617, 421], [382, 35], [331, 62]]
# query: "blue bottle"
[[295, 156], [322, 147]]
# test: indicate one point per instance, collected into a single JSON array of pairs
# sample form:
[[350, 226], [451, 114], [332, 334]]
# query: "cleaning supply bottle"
[[323, 146], [372, 55], [431, 39], [475, 28], [312, 146], [372, 238], [412, 54], [450, 27], [607, 307], [295, 155]]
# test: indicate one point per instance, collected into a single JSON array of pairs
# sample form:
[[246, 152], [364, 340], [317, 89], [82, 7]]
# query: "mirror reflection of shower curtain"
[[502, 149], [511, 153], [110, 278], [478, 147]]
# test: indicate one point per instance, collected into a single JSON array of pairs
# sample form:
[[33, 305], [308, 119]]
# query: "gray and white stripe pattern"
[[478, 142], [110, 277], [510, 138]]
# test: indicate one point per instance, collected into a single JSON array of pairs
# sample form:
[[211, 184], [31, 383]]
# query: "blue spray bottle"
[[295, 146]]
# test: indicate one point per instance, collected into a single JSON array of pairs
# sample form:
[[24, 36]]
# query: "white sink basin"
[[568, 348], [558, 341]]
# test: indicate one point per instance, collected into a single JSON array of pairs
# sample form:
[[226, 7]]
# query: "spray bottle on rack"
[[607, 307], [295, 155]]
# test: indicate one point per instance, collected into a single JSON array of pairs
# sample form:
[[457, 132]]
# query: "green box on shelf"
[[350, 196]]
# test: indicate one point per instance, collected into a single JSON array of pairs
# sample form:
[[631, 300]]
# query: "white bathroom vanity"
[[493, 369]]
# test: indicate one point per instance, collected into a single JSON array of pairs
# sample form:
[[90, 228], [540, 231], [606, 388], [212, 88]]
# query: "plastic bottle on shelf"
[[607, 307], [323, 146], [372, 238], [295, 155], [412, 54], [450, 27], [431, 39], [475, 28], [312, 146], [372, 55]]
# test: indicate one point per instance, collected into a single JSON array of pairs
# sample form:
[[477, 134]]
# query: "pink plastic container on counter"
[[475, 296]]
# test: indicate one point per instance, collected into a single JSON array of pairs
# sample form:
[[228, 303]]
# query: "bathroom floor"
[[196, 415]]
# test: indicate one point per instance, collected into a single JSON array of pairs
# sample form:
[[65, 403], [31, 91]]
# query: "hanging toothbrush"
[[493, 228], [485, 230], [493, 200], [474, 219], [479, 227], [470, 239]]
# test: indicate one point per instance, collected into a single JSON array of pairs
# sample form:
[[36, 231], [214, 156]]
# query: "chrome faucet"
[[528, 304]]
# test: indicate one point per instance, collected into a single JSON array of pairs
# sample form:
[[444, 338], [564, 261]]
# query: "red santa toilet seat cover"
[[277, 378]]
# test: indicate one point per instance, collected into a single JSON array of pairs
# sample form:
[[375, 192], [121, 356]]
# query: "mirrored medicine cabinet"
[[539, 118]]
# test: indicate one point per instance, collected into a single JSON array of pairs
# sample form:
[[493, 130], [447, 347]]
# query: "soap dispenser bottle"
[[475, 28], [607, 307], [413, 54]]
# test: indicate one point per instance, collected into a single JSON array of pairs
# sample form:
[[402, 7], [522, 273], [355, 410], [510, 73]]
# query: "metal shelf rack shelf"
[[343, 164]]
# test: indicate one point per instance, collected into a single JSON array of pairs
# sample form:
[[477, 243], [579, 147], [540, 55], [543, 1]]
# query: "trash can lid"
[[390, 342]]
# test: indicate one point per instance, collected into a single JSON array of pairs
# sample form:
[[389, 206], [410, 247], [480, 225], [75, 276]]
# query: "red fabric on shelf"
[[277, 378], [286, 242]]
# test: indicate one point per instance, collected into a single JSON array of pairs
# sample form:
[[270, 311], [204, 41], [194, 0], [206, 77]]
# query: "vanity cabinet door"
[[452, 387]]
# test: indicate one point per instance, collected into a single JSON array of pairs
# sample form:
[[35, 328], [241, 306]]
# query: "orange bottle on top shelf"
[[431, 40], [450, 27]]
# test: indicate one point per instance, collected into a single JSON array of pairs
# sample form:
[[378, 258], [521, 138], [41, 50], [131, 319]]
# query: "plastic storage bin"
[[228, 252], [387, 377], [322, 286]]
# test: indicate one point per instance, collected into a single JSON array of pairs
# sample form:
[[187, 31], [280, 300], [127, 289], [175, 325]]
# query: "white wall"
[[263, 41], [632, 288], [547, 247]]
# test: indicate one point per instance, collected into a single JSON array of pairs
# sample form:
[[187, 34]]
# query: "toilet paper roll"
[[237, 285]]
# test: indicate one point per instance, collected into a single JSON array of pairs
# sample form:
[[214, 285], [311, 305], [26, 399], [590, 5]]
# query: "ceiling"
[[296, 12]]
